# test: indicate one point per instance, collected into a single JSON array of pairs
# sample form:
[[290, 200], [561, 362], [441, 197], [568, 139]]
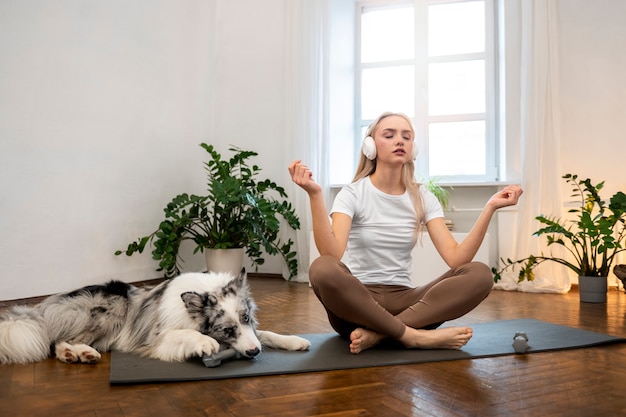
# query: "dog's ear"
[[194, 301], [241, 278], [235, 285], [211, 300]]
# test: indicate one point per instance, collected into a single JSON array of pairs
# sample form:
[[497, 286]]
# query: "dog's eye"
[[229, 331], [245, 318]]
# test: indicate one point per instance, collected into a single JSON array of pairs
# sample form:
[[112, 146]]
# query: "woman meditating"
[[378, 219]]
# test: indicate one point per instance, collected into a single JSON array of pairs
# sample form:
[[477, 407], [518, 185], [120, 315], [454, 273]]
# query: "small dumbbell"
[[211, 361], [520, 342]]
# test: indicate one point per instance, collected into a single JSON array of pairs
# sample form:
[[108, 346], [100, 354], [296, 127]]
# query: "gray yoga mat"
[[330, 352]]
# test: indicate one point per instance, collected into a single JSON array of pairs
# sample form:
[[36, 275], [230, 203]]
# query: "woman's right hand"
[[303, 177]]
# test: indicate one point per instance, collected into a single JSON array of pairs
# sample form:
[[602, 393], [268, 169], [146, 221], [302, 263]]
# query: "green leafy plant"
[[593, 239], [438, 191], [239, 211]]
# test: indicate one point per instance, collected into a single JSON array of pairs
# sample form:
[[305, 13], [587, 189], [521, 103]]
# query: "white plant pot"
[[224, 260], [592, 289]]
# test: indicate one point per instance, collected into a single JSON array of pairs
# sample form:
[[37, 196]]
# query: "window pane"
[[456, 148], [387, 89], [456, 28], [456, 87], [387, 35]]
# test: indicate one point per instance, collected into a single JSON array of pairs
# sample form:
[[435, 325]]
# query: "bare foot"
[[362, 339], [445, 338]]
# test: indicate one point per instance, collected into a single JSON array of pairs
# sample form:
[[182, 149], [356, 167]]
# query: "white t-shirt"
[[383, 235]]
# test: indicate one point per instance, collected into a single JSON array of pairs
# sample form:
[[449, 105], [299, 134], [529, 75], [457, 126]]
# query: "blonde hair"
[[367, 167]]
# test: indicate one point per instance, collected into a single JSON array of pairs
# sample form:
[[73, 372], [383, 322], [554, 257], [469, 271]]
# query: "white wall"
[[250, 88], [103, 105], [593, 90], [593, 94]]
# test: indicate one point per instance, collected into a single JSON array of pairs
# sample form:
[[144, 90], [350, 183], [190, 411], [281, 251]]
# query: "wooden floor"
[[580, 382]]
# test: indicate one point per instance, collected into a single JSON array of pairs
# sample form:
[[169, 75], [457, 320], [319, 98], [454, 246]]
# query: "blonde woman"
[[377, 219]]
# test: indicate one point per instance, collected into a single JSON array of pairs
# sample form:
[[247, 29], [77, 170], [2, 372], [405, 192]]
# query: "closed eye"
[[229, 331]]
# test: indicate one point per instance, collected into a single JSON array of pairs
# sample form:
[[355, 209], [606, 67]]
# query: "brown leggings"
[[387, 309]]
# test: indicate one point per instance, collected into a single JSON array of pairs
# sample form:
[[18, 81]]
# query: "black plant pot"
[[592, 289]]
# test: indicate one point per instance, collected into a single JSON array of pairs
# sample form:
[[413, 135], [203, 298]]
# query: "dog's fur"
[[190, 315]]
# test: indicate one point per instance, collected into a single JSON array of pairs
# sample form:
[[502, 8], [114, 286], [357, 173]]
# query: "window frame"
[[420, 62]]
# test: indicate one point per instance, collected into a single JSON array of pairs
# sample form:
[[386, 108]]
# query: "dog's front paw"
[[207, 345], [279, 341], [297, 343]]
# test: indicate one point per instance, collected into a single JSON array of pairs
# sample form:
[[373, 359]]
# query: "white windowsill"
[[452, 184]]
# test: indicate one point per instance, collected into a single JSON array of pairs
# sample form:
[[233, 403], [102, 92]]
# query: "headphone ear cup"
[[368, 148]]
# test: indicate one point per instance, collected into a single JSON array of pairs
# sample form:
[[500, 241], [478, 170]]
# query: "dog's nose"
[[251, 353]]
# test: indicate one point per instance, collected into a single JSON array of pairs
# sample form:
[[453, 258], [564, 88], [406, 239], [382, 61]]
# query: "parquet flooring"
[[579, 382]]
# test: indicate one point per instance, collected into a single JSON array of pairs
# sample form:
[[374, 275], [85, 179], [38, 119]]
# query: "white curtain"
[[306, 111], [540, 143]]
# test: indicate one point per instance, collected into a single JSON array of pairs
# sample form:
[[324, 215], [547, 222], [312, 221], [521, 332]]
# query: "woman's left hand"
[[508, 196]]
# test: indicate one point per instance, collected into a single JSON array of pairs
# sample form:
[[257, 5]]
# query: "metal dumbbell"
[[520, 342], [211, 361]]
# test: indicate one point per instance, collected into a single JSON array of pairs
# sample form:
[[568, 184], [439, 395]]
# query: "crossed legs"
[[368, 314]]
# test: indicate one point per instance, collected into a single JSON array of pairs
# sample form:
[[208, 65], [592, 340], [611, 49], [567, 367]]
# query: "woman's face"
[[394, 140]]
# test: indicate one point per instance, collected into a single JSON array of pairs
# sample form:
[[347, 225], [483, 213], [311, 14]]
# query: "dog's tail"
[[23, 336]]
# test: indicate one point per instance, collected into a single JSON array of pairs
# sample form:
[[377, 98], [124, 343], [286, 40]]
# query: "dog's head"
[[227, 315]]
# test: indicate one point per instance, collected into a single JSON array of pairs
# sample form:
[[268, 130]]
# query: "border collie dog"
[[190, 315]]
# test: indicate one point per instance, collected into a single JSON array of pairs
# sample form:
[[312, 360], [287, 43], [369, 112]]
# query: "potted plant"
[[442, 195], [593, 239], [438, 191], [239, 211]]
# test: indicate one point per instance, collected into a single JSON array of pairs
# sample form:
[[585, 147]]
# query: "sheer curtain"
[[540, 143], [306, 111]]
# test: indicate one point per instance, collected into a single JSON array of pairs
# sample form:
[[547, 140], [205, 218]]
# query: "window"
[[434, 61]]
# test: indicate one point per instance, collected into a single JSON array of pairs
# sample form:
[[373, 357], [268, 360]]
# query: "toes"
[[354, 348], [207, 346], [86, 353], [76, 353], [67, 356], [64, 353], [299, 343], [89, 356]]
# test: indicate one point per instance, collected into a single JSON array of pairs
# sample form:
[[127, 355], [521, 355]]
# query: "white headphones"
[[368, 147]]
